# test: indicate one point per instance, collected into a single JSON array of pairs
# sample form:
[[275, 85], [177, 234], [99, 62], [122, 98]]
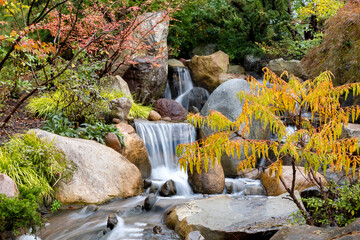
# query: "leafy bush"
[[61, 125], [339, 51], [341, 206], [288, 48], [20, 212], [32, 163], [234, 25], [98, 131], [49, 104]]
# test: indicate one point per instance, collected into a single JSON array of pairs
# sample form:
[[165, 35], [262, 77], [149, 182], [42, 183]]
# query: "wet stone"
[[111, 221], [157, 229], [168, 189], [150, 201], [147, 183]]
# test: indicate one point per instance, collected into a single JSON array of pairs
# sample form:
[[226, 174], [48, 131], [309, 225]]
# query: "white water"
[[161, 140]]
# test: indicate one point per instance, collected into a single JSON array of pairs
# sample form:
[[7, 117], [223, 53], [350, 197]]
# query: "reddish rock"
[[170, 108], [112, 141]]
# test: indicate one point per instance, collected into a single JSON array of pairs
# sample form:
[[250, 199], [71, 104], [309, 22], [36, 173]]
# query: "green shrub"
[[341, 207], [234, 26], [61, 125], [98, 131], [48, 104], [20, 212], [32, 163]]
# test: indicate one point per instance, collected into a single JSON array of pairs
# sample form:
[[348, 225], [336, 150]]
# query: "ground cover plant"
[[316, 143]]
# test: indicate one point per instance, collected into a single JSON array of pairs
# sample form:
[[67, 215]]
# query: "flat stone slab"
[[223, 217]]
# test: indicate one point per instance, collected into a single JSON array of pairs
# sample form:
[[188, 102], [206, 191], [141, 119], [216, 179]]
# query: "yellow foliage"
[[315, 142], [323, 9]]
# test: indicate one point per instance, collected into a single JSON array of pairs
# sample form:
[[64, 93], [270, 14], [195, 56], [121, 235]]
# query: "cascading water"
[[181, 88], [180, 82], [161, 139]]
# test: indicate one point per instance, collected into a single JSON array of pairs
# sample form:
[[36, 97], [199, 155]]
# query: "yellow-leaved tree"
[[315, 143]]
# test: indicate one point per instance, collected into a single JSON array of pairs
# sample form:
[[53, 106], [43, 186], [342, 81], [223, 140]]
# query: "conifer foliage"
[[312, 107]]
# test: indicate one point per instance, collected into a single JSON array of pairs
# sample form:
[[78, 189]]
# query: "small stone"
[[106, 231], [150, 201], [111, 221], [154, 116], [166, 118], [116, 120], [157, 229], [168, 189], [147, 183], [229, 187]]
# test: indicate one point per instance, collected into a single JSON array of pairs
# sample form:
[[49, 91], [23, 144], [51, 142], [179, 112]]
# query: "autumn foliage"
[[340, 50], [312, 107]]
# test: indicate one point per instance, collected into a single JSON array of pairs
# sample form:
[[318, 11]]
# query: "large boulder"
[[306, 232], [278, 66], [223, 217], [274, 187], [170, 108], [8, 186], [135, 150], [206, 70], [224, 100], [145, 81], [117, 84], [210, 182], [147, 75], [100, 172]]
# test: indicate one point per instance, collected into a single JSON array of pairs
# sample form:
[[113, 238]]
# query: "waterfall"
[[161, 139], [179, 82]]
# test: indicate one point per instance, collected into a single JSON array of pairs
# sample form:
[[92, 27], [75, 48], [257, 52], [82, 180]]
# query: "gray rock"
[[168, 189], [223, 217], [278, 66], [306, 232], [229, 187], [147, 82], [224, 100], [195, 235], [101, 173], [8, 186], [120, 108], [150, 201], [252, 189]]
